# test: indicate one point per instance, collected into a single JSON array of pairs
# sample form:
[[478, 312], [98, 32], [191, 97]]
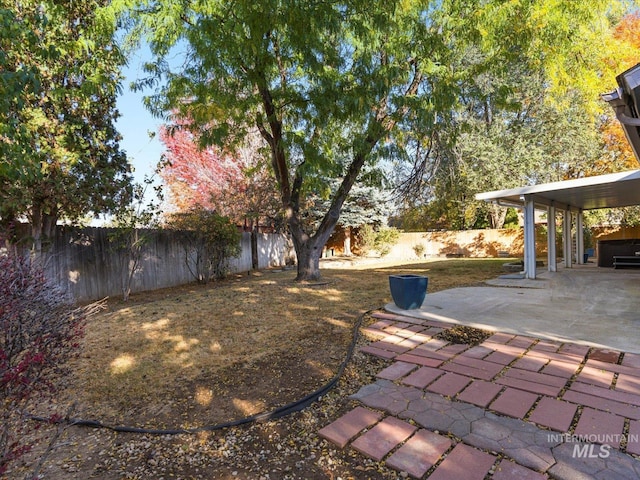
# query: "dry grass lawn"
[[199, 355]]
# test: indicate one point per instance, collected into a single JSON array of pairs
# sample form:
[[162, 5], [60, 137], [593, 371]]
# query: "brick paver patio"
[[512, 407]]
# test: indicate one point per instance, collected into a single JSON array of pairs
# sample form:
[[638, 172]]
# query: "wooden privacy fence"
[[87, 265]]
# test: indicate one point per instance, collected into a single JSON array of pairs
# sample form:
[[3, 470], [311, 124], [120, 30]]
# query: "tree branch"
[[376, 130], [412, 185], [278, 155], [281, 69]]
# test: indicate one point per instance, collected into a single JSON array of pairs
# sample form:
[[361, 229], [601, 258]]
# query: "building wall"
[[616, 233], [487, 243]]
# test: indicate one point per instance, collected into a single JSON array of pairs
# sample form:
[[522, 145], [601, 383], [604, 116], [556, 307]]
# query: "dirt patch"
[[462, 334]]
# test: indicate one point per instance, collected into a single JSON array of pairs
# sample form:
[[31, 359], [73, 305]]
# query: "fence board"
[[85, 263]]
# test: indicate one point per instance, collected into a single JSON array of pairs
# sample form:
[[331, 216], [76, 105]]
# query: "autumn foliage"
[[196, 176], [619, 155], [235, 184]]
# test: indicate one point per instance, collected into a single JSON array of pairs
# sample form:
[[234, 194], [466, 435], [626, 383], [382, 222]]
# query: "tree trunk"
[[43, 229], [254, 247], [309, 250], [36, 231], [308, 261], [497, 216]]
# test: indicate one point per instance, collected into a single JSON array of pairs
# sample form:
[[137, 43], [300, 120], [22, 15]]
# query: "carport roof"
[[620, 189]]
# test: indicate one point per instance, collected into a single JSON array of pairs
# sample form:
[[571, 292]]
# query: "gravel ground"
[[463, 334]]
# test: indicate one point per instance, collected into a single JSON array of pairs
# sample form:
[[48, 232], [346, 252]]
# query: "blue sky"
[[134, 125], [136, 122]]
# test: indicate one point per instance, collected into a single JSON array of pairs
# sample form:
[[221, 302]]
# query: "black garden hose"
[[282, 411]]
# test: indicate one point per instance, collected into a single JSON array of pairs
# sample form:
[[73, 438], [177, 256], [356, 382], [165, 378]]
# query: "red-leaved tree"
[[236, 184], [40, 330], [193, 175]]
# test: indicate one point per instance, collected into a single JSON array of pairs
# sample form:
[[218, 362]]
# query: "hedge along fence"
[[84, 262]]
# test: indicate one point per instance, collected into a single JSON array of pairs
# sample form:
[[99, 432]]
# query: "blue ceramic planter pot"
[[408, 291]]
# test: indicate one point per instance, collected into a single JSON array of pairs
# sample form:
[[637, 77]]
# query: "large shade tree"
[[328, 84], [534, 117], [61, 155], [530, 142], [19, 79]]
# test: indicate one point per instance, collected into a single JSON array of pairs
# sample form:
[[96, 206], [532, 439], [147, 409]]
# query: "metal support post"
[[551, 239], [567, 238], [529, 239]]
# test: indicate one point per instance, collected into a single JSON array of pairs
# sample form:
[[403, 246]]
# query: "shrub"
[[133, 224], [39, 331], [418, 249], [366, 239], [381, 240], [385, 239], [210, 241]]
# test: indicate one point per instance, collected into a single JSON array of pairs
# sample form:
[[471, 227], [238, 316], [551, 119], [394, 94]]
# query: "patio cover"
[[614, 190]]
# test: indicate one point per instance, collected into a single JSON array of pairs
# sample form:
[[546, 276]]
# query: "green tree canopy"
[[528, 114], [61, 155], [333, 85]]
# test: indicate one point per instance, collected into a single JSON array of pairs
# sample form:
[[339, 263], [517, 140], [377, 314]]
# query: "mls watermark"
[[593, 445]]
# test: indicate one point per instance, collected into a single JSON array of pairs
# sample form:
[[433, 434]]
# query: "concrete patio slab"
[[552, 394], [585, 304]]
